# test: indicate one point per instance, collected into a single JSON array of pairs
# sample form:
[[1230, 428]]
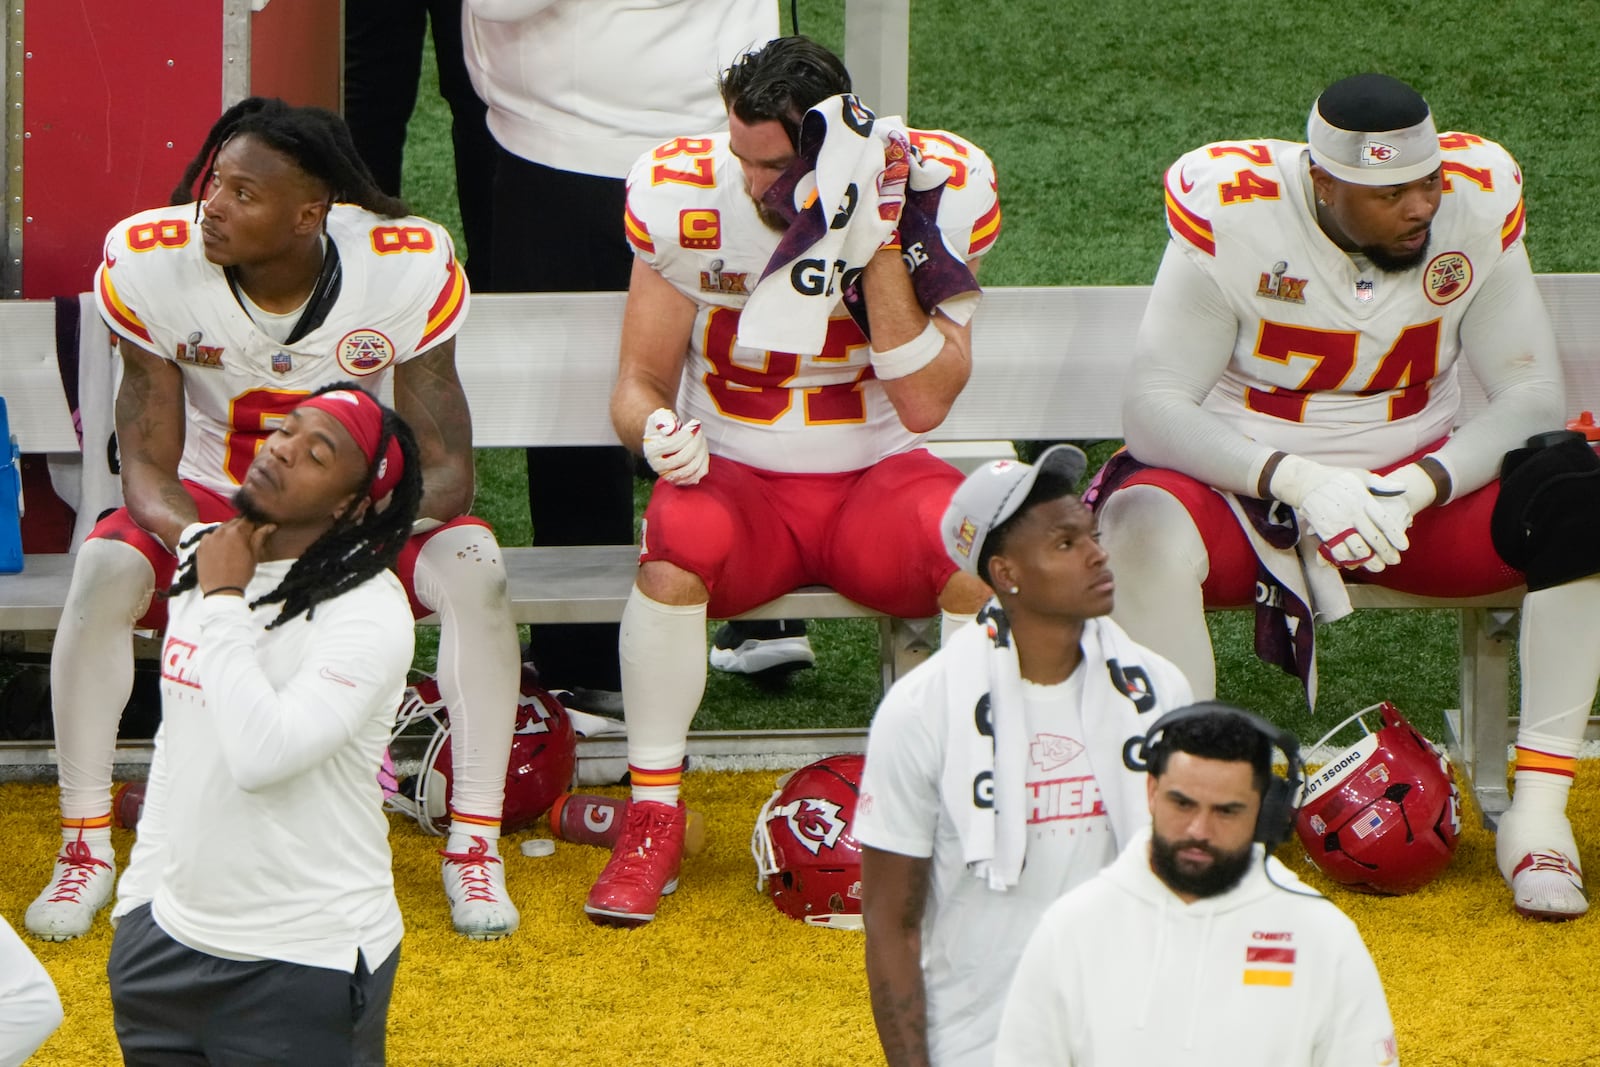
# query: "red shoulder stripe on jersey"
[[1185, 223], [985, 230], [446, 308], [1513, 226], [1189, 226], [638, 232], [120, 311]]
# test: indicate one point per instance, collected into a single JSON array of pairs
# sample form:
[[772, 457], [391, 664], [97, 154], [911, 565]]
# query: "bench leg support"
[[1477, 735], [904, 643]]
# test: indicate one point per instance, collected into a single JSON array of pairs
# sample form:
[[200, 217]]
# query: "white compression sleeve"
[[461, 575], [91, 668], [1185, 341], [662, 648]]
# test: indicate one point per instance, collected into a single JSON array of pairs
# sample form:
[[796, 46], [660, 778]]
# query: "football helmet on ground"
[[807, 858], [1382, 816], [544, 755]]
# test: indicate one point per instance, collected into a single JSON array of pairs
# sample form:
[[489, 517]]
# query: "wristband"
[[910, 357], [222, 589]]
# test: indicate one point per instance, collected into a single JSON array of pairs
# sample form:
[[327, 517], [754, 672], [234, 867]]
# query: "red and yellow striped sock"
[[465, 825], [657, 784], [95, 831], [1543, 780]]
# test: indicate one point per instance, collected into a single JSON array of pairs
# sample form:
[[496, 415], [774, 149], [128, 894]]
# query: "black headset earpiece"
[[1278, 804]]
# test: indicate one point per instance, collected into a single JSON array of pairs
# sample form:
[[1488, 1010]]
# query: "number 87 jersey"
[[401, 293], [1326, 341], [690, 216]]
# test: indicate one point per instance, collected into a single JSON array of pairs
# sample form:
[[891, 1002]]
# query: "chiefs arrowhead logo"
[[1376, 153], [812, 821], [1050, 751]]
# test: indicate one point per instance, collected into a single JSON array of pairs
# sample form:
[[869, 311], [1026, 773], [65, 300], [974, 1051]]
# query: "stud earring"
[[1015, 590]]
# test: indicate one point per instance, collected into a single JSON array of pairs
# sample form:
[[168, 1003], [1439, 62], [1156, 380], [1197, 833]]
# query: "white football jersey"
[[402, 293], [690, 216], [1326, 342]]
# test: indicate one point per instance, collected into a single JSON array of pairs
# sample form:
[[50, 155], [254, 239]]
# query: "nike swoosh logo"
[[328, 673], [1184, 183]]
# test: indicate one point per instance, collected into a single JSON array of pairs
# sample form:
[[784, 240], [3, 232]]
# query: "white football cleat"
[[1548, 886], [475, 883], [760, 647], [80, 885]]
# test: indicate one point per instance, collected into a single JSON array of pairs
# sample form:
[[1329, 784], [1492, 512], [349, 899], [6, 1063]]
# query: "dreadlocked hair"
[[352, 550], [316, 140]]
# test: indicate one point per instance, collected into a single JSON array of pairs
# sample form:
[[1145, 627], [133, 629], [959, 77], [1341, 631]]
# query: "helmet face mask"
[[807, 858], [544, 754], [1383, 816]]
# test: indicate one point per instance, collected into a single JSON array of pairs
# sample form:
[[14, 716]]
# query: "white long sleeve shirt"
[[30, 1010], [1120, 971], [263, 834], [587, 85]]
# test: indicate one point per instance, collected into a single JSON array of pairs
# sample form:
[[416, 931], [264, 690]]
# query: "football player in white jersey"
[[777, 468], [1302, 345], [292, 270]]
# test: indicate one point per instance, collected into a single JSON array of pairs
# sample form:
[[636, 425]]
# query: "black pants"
[[558, 231], [172, 1005], [382, 62]]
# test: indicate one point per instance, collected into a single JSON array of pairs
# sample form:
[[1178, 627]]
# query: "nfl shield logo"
[[281, 363], [1364, 290]]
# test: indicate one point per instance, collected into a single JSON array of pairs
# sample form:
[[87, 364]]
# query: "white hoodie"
[[1122, 972]]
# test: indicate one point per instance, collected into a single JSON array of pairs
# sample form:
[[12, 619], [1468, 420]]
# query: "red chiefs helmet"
[[544, 754], [807, 859], [1382, 816]]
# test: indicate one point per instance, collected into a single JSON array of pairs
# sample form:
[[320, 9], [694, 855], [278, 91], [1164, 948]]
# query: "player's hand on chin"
[[228, 554]]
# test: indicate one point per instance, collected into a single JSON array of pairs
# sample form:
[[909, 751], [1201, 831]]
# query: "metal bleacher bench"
[[1048, 364]]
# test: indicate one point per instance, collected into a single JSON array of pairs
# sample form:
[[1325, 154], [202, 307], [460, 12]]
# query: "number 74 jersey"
[[690, 216], [1326, 342], [402, 292]]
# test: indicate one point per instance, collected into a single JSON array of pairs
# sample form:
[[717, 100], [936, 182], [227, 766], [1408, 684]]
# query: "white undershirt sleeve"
[[1185, 342], [1508, 341], [271, 735]]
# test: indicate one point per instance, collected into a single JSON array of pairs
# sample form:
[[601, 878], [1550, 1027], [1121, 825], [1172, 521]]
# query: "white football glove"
[[1420, 490], [676, 450], [1360, 518]]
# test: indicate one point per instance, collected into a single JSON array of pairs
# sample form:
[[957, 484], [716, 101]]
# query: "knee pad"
[[696, 531], [463, 564], [110, 578], [1546, 519], [1144, 524]]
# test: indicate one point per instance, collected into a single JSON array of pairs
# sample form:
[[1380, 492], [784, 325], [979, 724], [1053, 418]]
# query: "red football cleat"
[[643, 866]]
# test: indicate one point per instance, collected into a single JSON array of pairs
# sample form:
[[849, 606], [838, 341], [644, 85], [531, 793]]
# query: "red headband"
[[360, 414]]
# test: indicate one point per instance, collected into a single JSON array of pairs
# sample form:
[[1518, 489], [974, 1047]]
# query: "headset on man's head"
[[1275, 822]]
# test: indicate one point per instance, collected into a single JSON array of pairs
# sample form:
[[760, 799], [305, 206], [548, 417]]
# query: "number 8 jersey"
[[690, 216], [1326, 341], [401, 293]]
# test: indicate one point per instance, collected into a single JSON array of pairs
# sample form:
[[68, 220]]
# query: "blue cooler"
[[10, 497]]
